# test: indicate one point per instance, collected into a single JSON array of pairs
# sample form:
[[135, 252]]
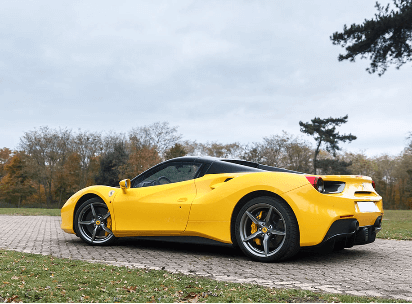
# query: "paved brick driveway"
[[383, 268]]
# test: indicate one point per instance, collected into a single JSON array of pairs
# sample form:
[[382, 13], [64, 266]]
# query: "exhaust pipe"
[[378, 224]]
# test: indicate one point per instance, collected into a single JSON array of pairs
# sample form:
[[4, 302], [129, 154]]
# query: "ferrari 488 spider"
[[270, 213]]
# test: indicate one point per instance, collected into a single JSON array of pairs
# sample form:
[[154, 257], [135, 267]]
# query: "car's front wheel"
[[266, 230], [93, 222]]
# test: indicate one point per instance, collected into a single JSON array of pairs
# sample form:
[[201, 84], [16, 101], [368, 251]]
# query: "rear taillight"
[[317, 183], [373, 185]]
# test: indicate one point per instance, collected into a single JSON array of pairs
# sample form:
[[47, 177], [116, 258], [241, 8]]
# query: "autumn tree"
[[48, 150], [324, 132], [386, 39], [390, 174], [385, 180], [68, 179], [5, 155], [405, 176], [16, 184], [139, 160], [177, 150], [141, 155], [110, 165]]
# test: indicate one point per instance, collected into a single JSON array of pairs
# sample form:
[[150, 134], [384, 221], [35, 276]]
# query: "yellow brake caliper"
[[254, 229], [108, 225]]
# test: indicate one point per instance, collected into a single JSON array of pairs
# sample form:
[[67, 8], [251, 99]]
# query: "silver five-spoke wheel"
[[266, 230], [93, 222], [262, 229]]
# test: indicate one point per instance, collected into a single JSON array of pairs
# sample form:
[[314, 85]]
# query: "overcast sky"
[[222, 71]]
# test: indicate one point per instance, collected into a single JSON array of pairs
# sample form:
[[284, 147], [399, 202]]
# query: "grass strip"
[[30, 211], [397, 225], [36, 278]]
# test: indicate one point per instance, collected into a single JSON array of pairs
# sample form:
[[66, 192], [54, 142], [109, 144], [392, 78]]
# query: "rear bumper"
[[349, 233], [317, 212]]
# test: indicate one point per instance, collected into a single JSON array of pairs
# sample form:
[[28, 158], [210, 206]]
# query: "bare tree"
[[270, 152], [159, 135], [361, 164], [88, 146], [285, 151], [191, 147], [298, 155], [215, 149]]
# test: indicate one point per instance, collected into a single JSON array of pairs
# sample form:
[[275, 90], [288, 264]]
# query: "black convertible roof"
[[224, 165], [211, 165]]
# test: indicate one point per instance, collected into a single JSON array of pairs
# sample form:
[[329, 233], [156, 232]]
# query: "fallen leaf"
[[12, 299], [191, 297]]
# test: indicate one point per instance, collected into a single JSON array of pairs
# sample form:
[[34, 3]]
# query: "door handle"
[[181, 200]]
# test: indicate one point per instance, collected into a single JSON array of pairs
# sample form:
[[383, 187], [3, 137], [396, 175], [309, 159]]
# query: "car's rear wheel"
[[266, 230], [93, 222]]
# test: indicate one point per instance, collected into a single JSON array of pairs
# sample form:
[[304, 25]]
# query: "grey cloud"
[[225, 71]]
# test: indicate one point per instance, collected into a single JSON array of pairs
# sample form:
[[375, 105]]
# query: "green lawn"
[[29, 211], [396, 224], [36, 278]]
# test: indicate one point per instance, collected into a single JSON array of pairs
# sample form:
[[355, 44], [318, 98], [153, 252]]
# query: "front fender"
[[70, 207]]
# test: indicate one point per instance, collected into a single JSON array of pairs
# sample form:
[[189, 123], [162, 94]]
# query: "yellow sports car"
[[270, 213]]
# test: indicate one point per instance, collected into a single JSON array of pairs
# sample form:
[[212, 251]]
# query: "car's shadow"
[[212, 249], [204, 247], [316, 255], [190, 245]]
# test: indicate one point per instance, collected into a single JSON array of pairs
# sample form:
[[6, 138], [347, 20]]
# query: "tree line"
[[52, 164]]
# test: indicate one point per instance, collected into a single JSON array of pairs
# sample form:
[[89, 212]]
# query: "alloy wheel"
[[262, 230], [94, 223]]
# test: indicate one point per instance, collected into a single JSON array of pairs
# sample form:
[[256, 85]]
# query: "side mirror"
[[125, 184]]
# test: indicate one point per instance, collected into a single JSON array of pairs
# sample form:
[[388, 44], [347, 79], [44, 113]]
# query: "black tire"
[[266, 230], [93, 223]]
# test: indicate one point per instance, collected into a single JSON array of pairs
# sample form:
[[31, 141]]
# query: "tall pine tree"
[[324, 132]]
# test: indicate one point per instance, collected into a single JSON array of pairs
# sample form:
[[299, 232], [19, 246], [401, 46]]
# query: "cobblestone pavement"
[[383, 268]]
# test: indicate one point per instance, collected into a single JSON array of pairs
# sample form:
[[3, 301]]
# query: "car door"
[[158, 203]]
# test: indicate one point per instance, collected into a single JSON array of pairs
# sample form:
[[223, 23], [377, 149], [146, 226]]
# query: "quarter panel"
[[211, 211]]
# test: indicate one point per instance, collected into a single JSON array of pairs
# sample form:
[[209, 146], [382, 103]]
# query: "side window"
[[172, 173]]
